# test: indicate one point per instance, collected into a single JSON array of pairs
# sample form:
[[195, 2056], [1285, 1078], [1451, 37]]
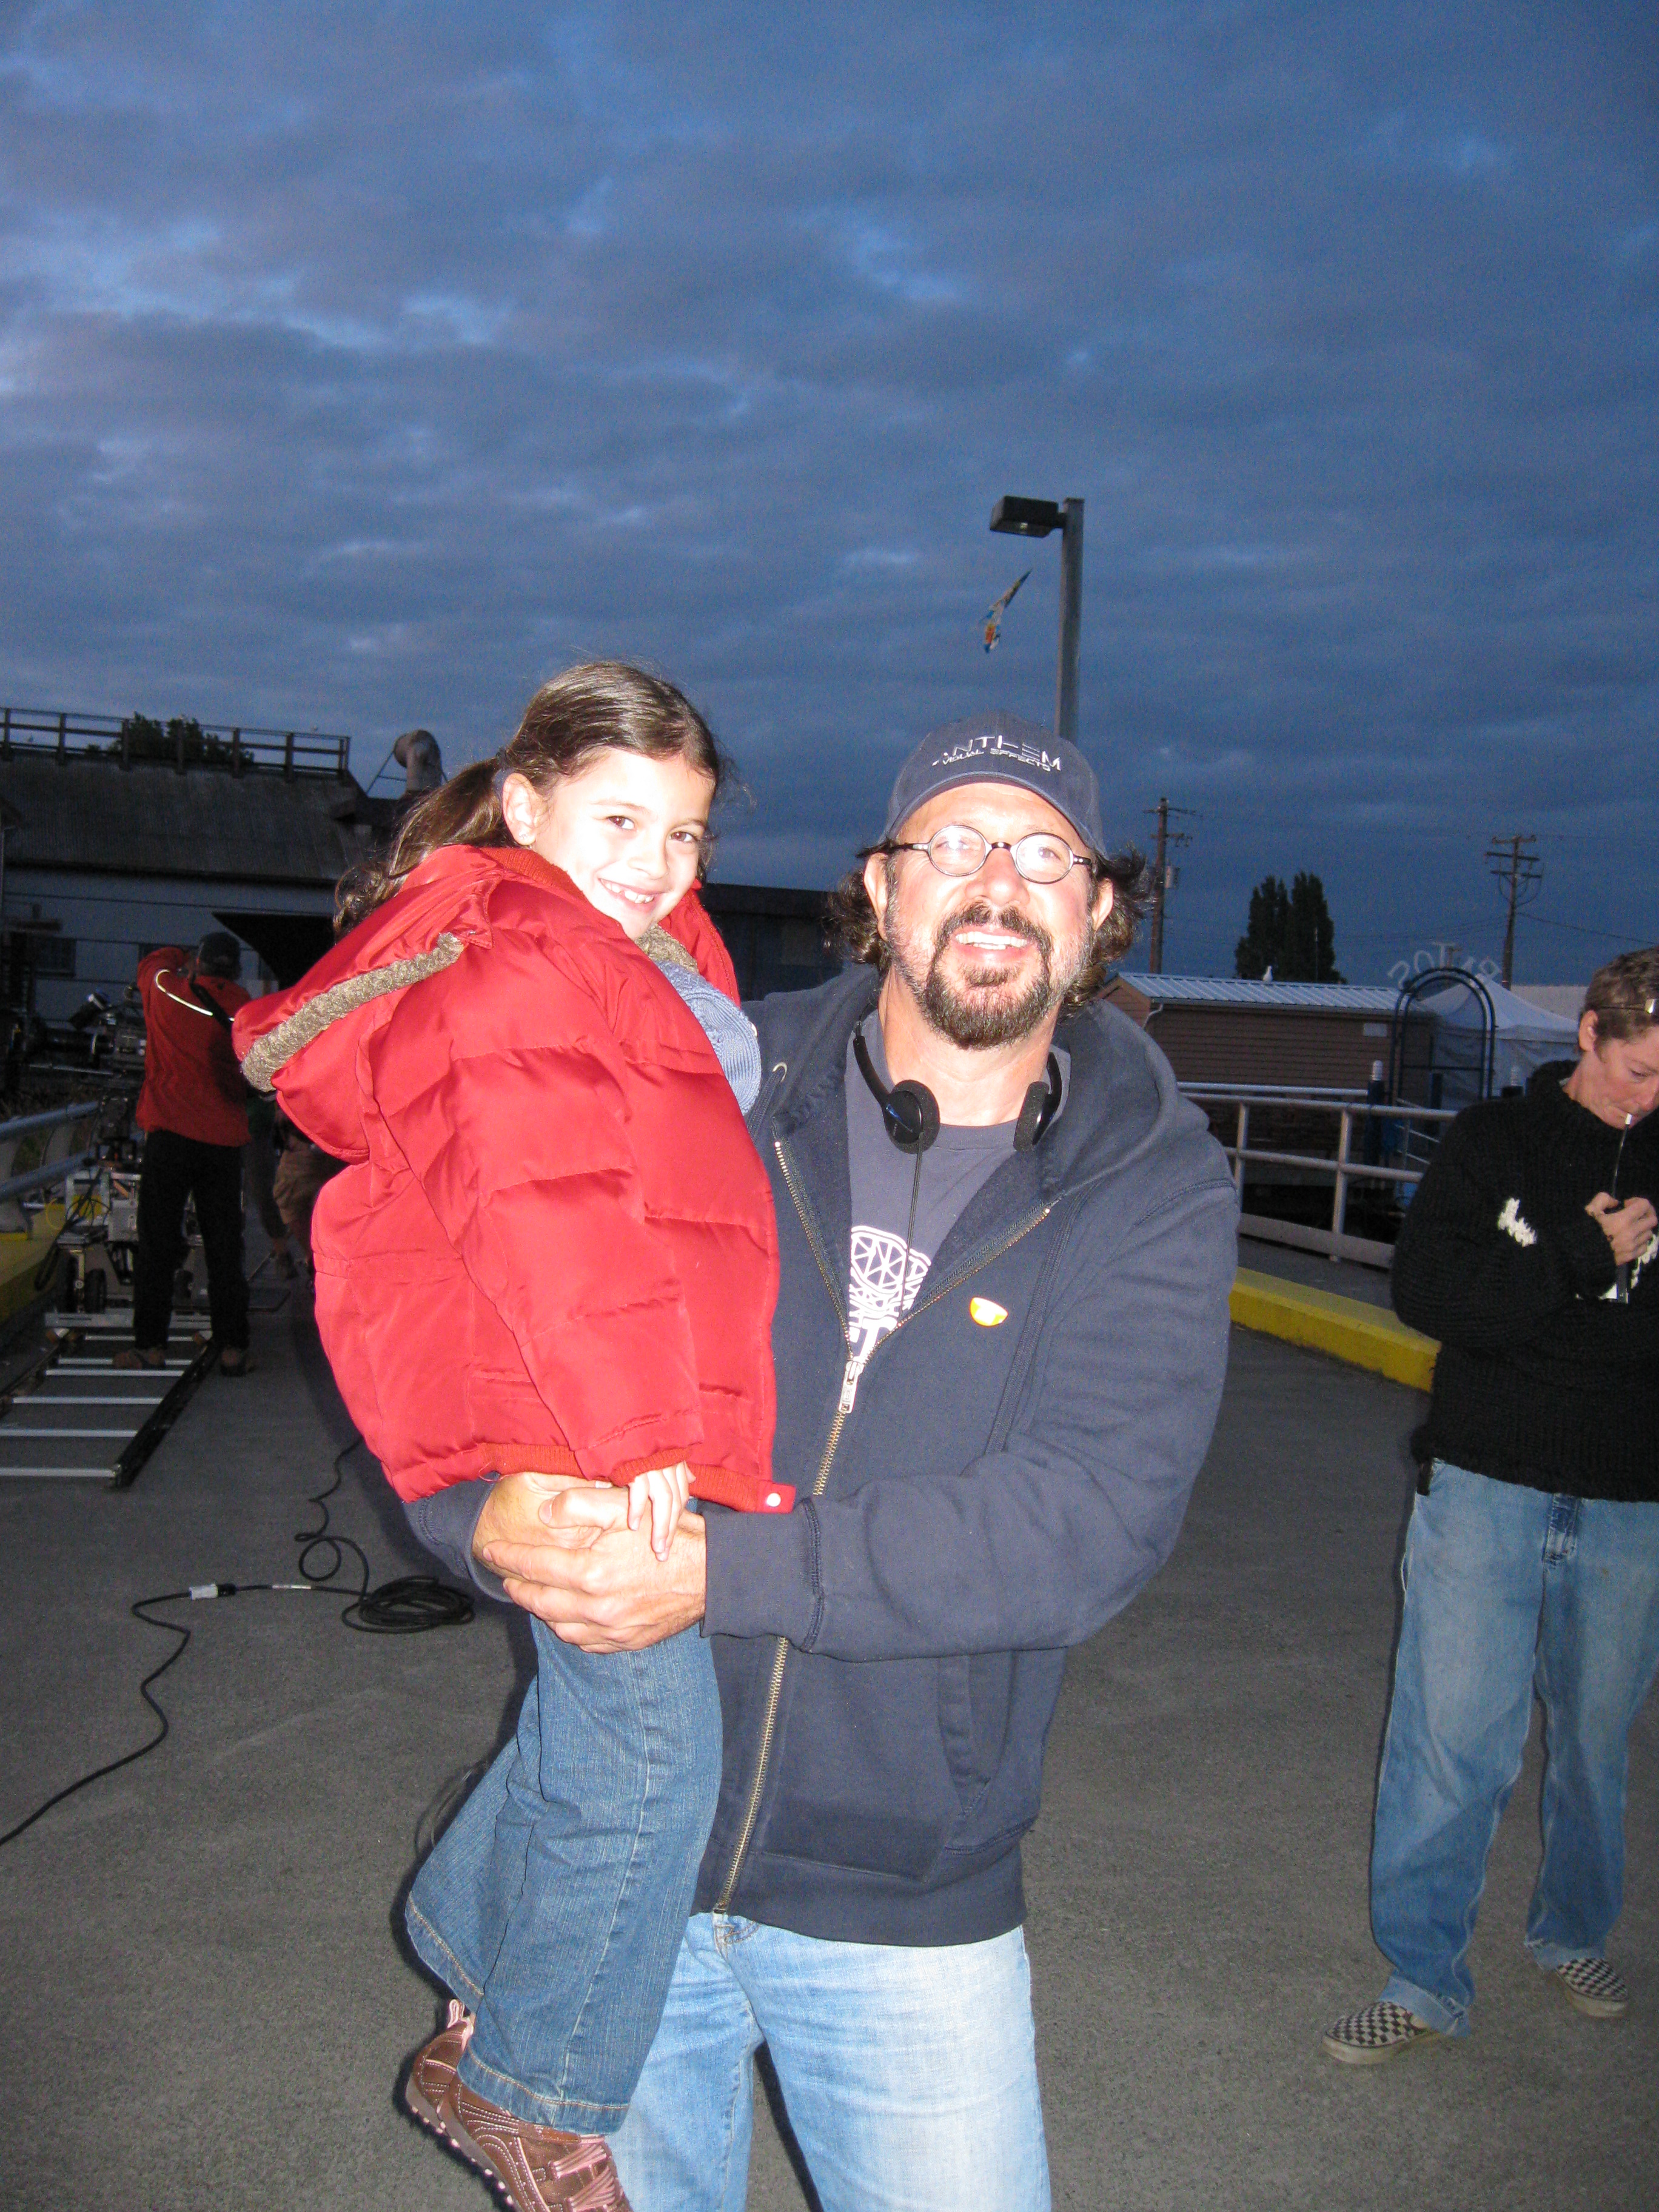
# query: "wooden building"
[[1219, 1029]]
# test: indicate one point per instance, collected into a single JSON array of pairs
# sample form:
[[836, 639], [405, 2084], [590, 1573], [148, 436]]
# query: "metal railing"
[[182, 744], [68, 1126], [1396, 1123]]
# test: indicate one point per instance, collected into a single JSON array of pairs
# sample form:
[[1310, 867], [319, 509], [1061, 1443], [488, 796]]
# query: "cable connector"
[[212, 1589]]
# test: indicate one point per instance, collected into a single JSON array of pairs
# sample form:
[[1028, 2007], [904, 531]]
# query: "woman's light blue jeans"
[[910, 2074], [1509, 1591], [554, 1903]]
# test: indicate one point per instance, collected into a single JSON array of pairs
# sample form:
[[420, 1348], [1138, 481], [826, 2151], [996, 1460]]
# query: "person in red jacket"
[[552, 1249], [193, 1112]]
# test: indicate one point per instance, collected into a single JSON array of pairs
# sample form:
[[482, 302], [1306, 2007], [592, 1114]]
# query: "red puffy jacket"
[[553, 1246]]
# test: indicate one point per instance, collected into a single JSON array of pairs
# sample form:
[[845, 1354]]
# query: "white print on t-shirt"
[[1515, 1224], [876, 1302]]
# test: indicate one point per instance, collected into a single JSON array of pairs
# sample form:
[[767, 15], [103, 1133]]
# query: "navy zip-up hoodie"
[[890, 1654]]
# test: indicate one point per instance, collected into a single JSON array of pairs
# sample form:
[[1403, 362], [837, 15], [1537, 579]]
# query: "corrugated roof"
[[1234, 991], [91, 813]]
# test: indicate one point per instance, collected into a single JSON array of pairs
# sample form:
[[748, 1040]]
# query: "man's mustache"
[[1010, 921]]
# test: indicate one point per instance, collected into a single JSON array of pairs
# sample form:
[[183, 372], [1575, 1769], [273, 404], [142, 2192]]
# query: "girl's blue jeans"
[[1509, 1592], [555, 1903]]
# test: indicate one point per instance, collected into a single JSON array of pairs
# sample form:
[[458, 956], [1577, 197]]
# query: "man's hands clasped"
[[580, 1556]]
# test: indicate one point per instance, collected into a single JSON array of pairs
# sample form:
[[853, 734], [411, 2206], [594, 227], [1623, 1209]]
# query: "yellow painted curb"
[[1364, 1335]]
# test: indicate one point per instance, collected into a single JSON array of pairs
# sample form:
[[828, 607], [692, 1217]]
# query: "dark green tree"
[[1290, 932], [144, 739]]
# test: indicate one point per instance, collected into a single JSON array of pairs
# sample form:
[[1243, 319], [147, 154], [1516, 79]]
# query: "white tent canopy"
[[1526, 1037]]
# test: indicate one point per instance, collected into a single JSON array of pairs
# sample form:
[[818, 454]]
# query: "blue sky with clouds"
[[360, 367]]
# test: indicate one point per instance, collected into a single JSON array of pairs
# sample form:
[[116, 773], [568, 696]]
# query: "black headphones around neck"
[[909, 1111]]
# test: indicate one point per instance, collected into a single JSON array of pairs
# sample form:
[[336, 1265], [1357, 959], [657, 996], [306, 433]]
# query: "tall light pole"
[[1037, 518]]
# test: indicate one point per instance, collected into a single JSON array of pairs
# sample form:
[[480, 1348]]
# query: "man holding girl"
[[1006, 1244]]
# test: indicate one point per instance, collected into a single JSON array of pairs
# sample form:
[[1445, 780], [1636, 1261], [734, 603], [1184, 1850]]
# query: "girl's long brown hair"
[[597, 706]]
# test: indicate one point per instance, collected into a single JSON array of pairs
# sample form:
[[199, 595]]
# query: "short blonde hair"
[[1624, 995]]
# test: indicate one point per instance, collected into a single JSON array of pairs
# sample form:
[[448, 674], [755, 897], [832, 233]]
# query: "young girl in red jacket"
[[552, 1249]]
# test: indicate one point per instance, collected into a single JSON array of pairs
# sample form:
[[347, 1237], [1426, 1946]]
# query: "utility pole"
[[1163, 876], [1519, 874]]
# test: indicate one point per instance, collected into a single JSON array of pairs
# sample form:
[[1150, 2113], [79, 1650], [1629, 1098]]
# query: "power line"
[[1611, 936]]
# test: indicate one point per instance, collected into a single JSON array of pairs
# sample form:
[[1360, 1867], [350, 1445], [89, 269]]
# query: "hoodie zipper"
[[757, 1114], [849, 1385]]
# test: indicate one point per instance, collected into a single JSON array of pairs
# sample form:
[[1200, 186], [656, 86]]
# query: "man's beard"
[[982, 1009]]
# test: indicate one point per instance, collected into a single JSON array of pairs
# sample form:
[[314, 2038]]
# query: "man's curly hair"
[[851, 927]]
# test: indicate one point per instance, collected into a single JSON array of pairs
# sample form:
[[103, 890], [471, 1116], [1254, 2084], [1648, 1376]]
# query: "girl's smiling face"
[[627, 829]]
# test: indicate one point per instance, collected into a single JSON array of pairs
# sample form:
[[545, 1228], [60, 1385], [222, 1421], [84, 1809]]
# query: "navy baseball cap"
[[999, 749]]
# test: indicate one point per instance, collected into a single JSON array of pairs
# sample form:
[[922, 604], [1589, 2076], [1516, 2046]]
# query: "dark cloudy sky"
[[361, 365]]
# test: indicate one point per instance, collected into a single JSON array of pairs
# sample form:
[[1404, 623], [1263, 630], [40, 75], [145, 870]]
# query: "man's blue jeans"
[[1508, 1591], [909, 2075], [554, 1903]]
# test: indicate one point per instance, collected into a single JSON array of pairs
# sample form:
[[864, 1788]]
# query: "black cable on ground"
[[138, 1609], [407, 1606]]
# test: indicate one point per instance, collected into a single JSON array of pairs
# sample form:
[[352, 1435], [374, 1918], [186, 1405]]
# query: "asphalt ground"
[[210, 2004], [1347, 1277]]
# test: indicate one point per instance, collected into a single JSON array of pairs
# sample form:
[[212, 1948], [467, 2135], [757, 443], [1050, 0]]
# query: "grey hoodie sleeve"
[[1035, 1545], [443, 1525]]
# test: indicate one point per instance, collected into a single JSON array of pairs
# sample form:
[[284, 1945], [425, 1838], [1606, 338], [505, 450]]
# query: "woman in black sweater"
[[1531, 1251]]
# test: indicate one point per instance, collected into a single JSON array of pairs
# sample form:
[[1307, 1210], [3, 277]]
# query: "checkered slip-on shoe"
[[1594, 1987], [1382, 2031]]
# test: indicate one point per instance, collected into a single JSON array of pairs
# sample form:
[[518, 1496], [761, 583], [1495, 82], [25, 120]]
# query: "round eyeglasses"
[[957, 850]]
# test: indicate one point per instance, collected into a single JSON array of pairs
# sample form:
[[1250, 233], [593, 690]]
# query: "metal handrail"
[[50, 1119], [1235, 1094], [41, 1178], [1356, 1173], [1343, 1168], [1277, 1094]]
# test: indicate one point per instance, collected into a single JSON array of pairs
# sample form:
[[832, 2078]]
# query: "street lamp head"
[[1027, 518], [1037, 518]]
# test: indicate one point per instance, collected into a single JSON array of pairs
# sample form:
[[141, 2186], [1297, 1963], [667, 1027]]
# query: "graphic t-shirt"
[[884, 1275]]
